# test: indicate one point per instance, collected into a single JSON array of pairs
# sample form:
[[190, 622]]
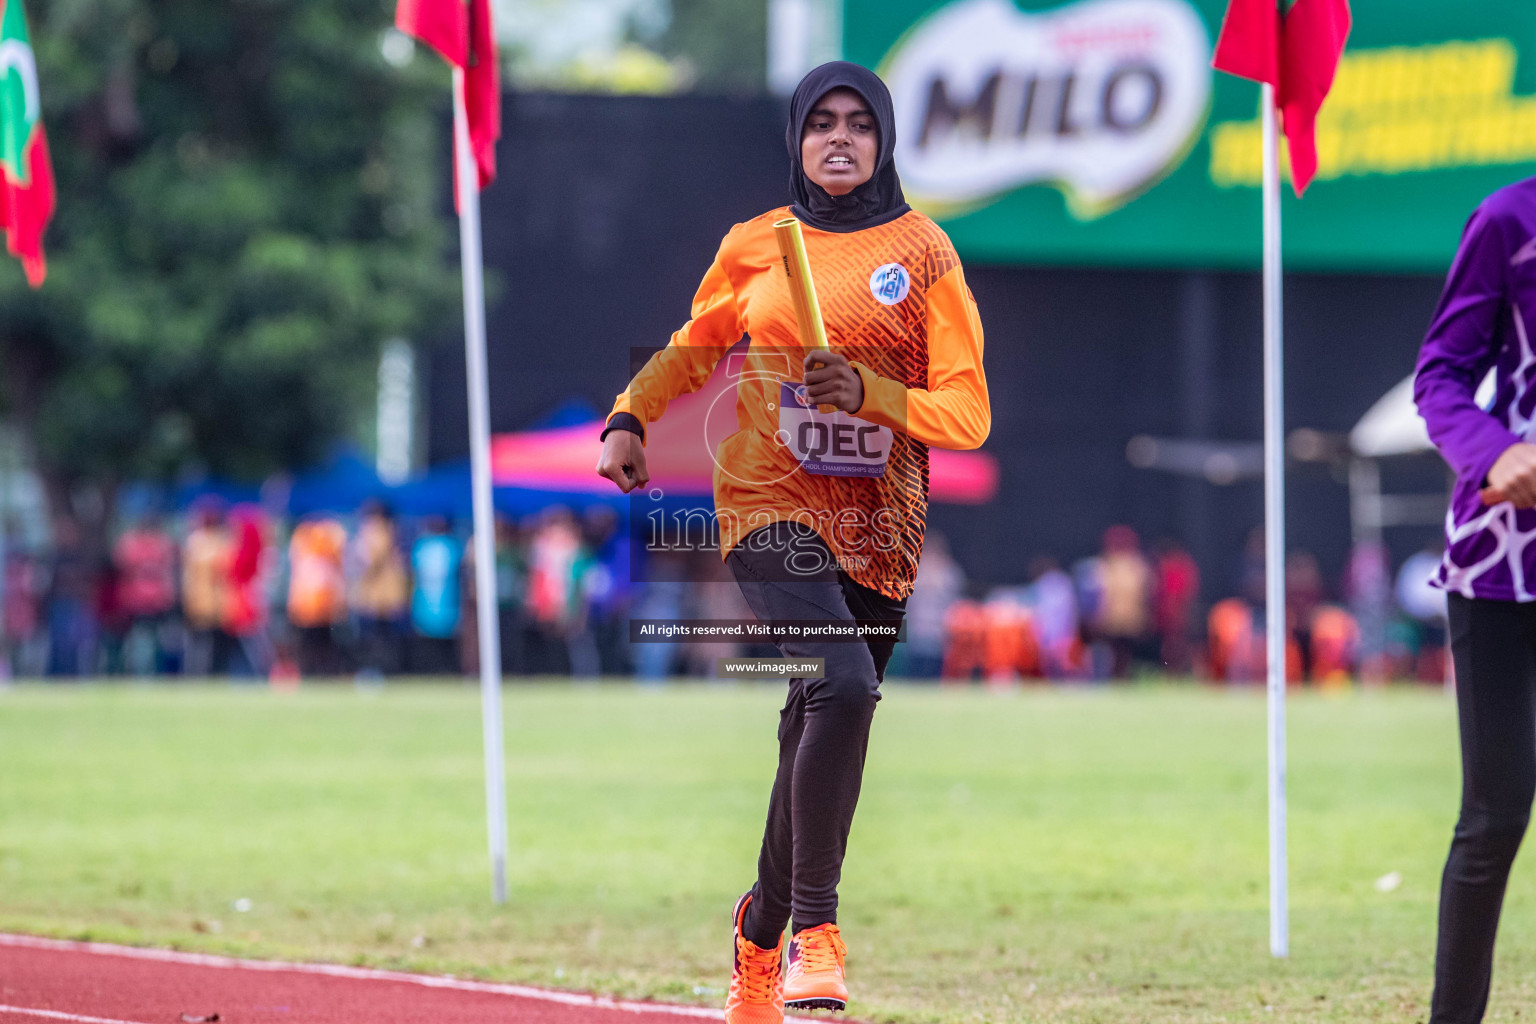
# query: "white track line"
[[168, 956], [75, 1018]]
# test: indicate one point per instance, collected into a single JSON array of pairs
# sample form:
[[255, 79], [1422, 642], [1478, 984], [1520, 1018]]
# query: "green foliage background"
[[247, 209], [725, 41]]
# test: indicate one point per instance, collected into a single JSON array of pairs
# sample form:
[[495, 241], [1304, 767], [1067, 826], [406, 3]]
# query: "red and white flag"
[[1298, 53], [461, 31]]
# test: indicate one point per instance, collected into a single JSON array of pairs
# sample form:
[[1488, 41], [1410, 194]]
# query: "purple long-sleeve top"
[[1485, 318]]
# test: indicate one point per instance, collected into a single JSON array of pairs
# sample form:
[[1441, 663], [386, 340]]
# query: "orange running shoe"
[[757, 977], [814, 980]]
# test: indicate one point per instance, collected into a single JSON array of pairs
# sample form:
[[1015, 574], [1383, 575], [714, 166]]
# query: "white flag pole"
[[1274, 533], [480, 476]]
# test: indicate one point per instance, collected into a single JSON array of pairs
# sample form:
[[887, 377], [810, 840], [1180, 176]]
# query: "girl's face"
[[840, 142]]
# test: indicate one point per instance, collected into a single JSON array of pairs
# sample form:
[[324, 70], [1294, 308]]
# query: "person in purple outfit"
[[1484, 322]]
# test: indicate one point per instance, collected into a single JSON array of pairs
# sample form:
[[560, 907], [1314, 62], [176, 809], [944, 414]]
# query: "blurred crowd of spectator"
[[233, 592], [1126, 612], [236, 593]]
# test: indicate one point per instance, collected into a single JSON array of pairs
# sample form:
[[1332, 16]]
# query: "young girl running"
[[821, 494]]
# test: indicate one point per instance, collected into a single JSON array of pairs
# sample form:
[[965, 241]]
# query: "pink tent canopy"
[[680, 451]]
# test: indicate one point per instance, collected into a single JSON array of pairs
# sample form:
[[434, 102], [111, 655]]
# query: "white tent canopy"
[[1393, 425]]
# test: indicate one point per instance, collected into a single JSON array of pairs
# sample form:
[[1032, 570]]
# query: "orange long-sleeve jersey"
[[895, 303]]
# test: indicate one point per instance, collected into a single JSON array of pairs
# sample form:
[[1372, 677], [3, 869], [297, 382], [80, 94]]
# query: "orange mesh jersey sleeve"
[[953, 411], [690, 357]]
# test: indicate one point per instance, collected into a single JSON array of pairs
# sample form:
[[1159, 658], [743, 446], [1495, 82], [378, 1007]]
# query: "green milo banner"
[[1095, 132]]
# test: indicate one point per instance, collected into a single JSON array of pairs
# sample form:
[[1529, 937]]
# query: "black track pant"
[[1494, 646], [787, 572]]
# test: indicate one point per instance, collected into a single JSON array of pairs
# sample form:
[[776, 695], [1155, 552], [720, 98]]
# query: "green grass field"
[[1035, 856]]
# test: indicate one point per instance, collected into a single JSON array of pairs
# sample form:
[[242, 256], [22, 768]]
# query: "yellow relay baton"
[[802, 289]]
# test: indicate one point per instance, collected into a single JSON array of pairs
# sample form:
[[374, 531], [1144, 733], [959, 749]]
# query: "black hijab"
[[878, 200]]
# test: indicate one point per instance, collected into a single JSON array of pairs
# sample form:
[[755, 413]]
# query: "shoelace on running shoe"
[[759, 971], [821, 949]]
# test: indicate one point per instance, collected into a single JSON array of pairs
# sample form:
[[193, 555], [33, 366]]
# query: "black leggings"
[[1494, 647], [786, 572]]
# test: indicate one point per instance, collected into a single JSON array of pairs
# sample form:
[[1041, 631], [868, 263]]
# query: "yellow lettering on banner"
[[1235, 155], [1400, 110]]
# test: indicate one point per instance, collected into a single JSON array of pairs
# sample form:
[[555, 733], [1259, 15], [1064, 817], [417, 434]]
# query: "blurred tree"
[[635, 46], [725, 43], [605, 46], [248, 207]]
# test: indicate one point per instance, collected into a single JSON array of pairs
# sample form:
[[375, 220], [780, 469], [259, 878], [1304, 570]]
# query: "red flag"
[[1249, 44], [1297, 54], [26, 173], [462, 32], [1311, 43]]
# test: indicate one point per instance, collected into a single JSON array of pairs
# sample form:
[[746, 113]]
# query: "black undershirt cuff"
[[624, 421]]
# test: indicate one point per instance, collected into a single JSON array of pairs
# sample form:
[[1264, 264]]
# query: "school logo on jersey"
[[1097, 98], [890, 283]]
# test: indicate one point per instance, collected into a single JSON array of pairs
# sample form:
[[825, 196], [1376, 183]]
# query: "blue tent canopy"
[[348, 480], [339, 486]]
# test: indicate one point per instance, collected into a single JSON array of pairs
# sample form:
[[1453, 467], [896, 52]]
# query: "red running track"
[[44, 980]]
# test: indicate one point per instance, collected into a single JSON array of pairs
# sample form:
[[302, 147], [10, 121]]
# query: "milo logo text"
[[1099, 99]]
